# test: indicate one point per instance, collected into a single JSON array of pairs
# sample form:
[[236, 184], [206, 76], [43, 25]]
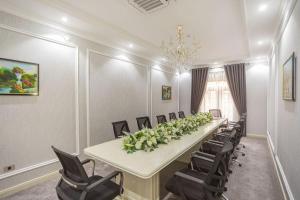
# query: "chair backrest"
[[172, 116], [216, 113], [143, 122], [161, 119], [72, 167], [219, 166], [215, 178], [120, 127], [181, 114]]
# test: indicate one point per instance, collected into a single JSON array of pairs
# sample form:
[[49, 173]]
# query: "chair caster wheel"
[[230, 171], [243, 154], [244, 146], [240, 165]]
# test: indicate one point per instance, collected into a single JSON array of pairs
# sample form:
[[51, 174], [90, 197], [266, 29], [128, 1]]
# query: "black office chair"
[[161, 119], [181, 114], [76, 185], [143, 122], [172, 116], [204, 181], [217, 114], [234, 135], [121, 128]]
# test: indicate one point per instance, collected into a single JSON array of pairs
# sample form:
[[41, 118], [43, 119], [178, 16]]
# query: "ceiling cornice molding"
[[70, 10], [287, 9], [78, 34], [244, 16]]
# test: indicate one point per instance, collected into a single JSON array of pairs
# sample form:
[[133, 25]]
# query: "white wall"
[[285, 133], [257, 76], [159, 106], [115, 90], [118, 91], [31, 124], [185, 92]]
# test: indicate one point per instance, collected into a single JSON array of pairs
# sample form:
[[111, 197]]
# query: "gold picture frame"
[[166, 92], [289, 79]]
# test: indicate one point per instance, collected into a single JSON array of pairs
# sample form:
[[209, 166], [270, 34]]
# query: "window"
[[218, 96]]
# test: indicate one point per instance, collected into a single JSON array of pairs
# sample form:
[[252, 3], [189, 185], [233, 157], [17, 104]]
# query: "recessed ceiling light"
[[123, 57], [156, 66], [263, 7], [67, 37], [215, 63], [130, 45], [260, 42], [64, 19], [164, 59]]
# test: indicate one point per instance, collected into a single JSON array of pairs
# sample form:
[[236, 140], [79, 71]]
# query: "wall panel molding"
[[136, 64], [285, 187], [149, 69], [77, 150]]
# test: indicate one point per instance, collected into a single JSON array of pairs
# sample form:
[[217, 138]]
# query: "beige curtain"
[[217, 95]]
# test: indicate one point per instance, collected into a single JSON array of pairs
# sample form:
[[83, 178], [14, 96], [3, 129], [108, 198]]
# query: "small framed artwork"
[[18, 77], [166, 92], [289, 79]]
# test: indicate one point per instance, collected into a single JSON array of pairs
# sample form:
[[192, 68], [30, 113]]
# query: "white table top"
[[146, 164]]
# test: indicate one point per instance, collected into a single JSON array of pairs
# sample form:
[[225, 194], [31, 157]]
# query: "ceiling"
[[228, 30]]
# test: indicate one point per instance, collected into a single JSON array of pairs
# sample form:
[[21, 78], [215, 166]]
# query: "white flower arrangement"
[[149, 139]]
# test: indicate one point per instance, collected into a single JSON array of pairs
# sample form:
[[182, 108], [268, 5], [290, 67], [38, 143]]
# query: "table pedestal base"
[[136, 188]]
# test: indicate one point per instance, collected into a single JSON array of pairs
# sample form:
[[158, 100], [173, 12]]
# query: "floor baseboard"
[[254, 135], [27, 184]]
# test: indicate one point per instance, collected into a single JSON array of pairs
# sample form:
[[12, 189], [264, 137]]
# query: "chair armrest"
[[88, 161], [212, 147], [70, 182], [189, 177], [216, 142], [105, 179], [203, 158]]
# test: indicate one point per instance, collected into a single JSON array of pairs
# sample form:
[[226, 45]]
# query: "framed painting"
[[166, 92], [289, 79], [18, 77]]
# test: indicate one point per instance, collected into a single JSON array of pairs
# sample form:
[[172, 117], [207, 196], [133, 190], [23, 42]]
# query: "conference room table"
[[143, 170]]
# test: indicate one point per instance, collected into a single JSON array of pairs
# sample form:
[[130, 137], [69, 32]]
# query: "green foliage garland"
[[149, 139]]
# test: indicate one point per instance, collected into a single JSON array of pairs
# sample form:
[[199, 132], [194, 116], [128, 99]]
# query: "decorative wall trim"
[[78, 34], [88, 52], [285, 187], [26, 169], [27, 184], [271, 142], [286, 183], [77, 142], [286, 12], [149, 82]]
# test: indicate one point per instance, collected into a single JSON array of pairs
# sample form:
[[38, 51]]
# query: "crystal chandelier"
[[183, 51]]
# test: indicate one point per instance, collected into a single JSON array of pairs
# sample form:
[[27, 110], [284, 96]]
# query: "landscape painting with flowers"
[[18, 78]]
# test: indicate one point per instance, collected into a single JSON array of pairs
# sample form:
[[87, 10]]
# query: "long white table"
[[141, 169]]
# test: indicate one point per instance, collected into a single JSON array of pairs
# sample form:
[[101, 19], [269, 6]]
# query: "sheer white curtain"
[[218, 96]]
